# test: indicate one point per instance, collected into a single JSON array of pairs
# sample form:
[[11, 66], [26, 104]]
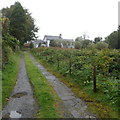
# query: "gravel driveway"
[[21, 103]]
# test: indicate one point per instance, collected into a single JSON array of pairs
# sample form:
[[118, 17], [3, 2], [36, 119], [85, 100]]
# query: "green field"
[[76, 69]]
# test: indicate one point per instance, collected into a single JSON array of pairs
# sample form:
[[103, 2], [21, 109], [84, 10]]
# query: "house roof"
[[49, 37]]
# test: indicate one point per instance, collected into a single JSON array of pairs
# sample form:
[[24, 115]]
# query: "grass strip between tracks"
[[43, 92]]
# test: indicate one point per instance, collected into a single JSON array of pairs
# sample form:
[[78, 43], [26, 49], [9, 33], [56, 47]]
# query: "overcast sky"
[[72, 18]]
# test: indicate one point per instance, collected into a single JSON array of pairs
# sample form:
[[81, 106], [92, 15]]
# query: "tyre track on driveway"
[[21, 103], [74, 105]]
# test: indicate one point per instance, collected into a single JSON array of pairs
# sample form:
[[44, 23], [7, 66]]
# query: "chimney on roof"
[[60, 36]]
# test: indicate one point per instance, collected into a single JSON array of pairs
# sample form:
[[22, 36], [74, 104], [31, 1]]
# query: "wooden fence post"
[[58, 63], [94, 78], [70, 65]]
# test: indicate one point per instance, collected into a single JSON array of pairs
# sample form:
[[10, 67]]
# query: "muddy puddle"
[[20, 94]]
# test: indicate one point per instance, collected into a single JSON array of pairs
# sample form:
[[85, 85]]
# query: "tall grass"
[[9, 76]]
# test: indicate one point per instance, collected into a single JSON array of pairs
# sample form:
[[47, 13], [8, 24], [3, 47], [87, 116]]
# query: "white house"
[[66, 43], [48, 38]]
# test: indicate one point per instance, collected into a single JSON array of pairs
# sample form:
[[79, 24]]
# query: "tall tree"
[[22, 25], [17, 25], [17, 22], [31, 28], [112, 40]]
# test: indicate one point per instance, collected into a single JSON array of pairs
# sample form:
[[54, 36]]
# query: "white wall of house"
[[36, 45], [61, 45], [48, 43]]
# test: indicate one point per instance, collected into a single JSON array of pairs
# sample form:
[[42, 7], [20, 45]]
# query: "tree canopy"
[[18, 26], [112, 40], [21, 23]]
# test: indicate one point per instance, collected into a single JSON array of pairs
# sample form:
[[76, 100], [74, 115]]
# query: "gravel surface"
[[21, 103], [72, 104]]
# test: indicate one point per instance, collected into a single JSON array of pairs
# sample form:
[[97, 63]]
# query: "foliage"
[[78, 45], [101, 45], [5, 25], [82, 44], [60, 43], [85, 43], [55, 43], [31, 45], [79, 64], [19, 24], [112, 40], [18, 27], [7, 52], [10, 41], [31, 28], [78, 39], [97, 39], [9, 45]]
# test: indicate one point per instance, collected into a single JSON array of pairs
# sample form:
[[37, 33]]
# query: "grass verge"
[[43, 92], [101, 109], [9, 77], [0, 90]]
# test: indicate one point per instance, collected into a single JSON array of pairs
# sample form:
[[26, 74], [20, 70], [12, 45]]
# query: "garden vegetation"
[[95, 71]]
